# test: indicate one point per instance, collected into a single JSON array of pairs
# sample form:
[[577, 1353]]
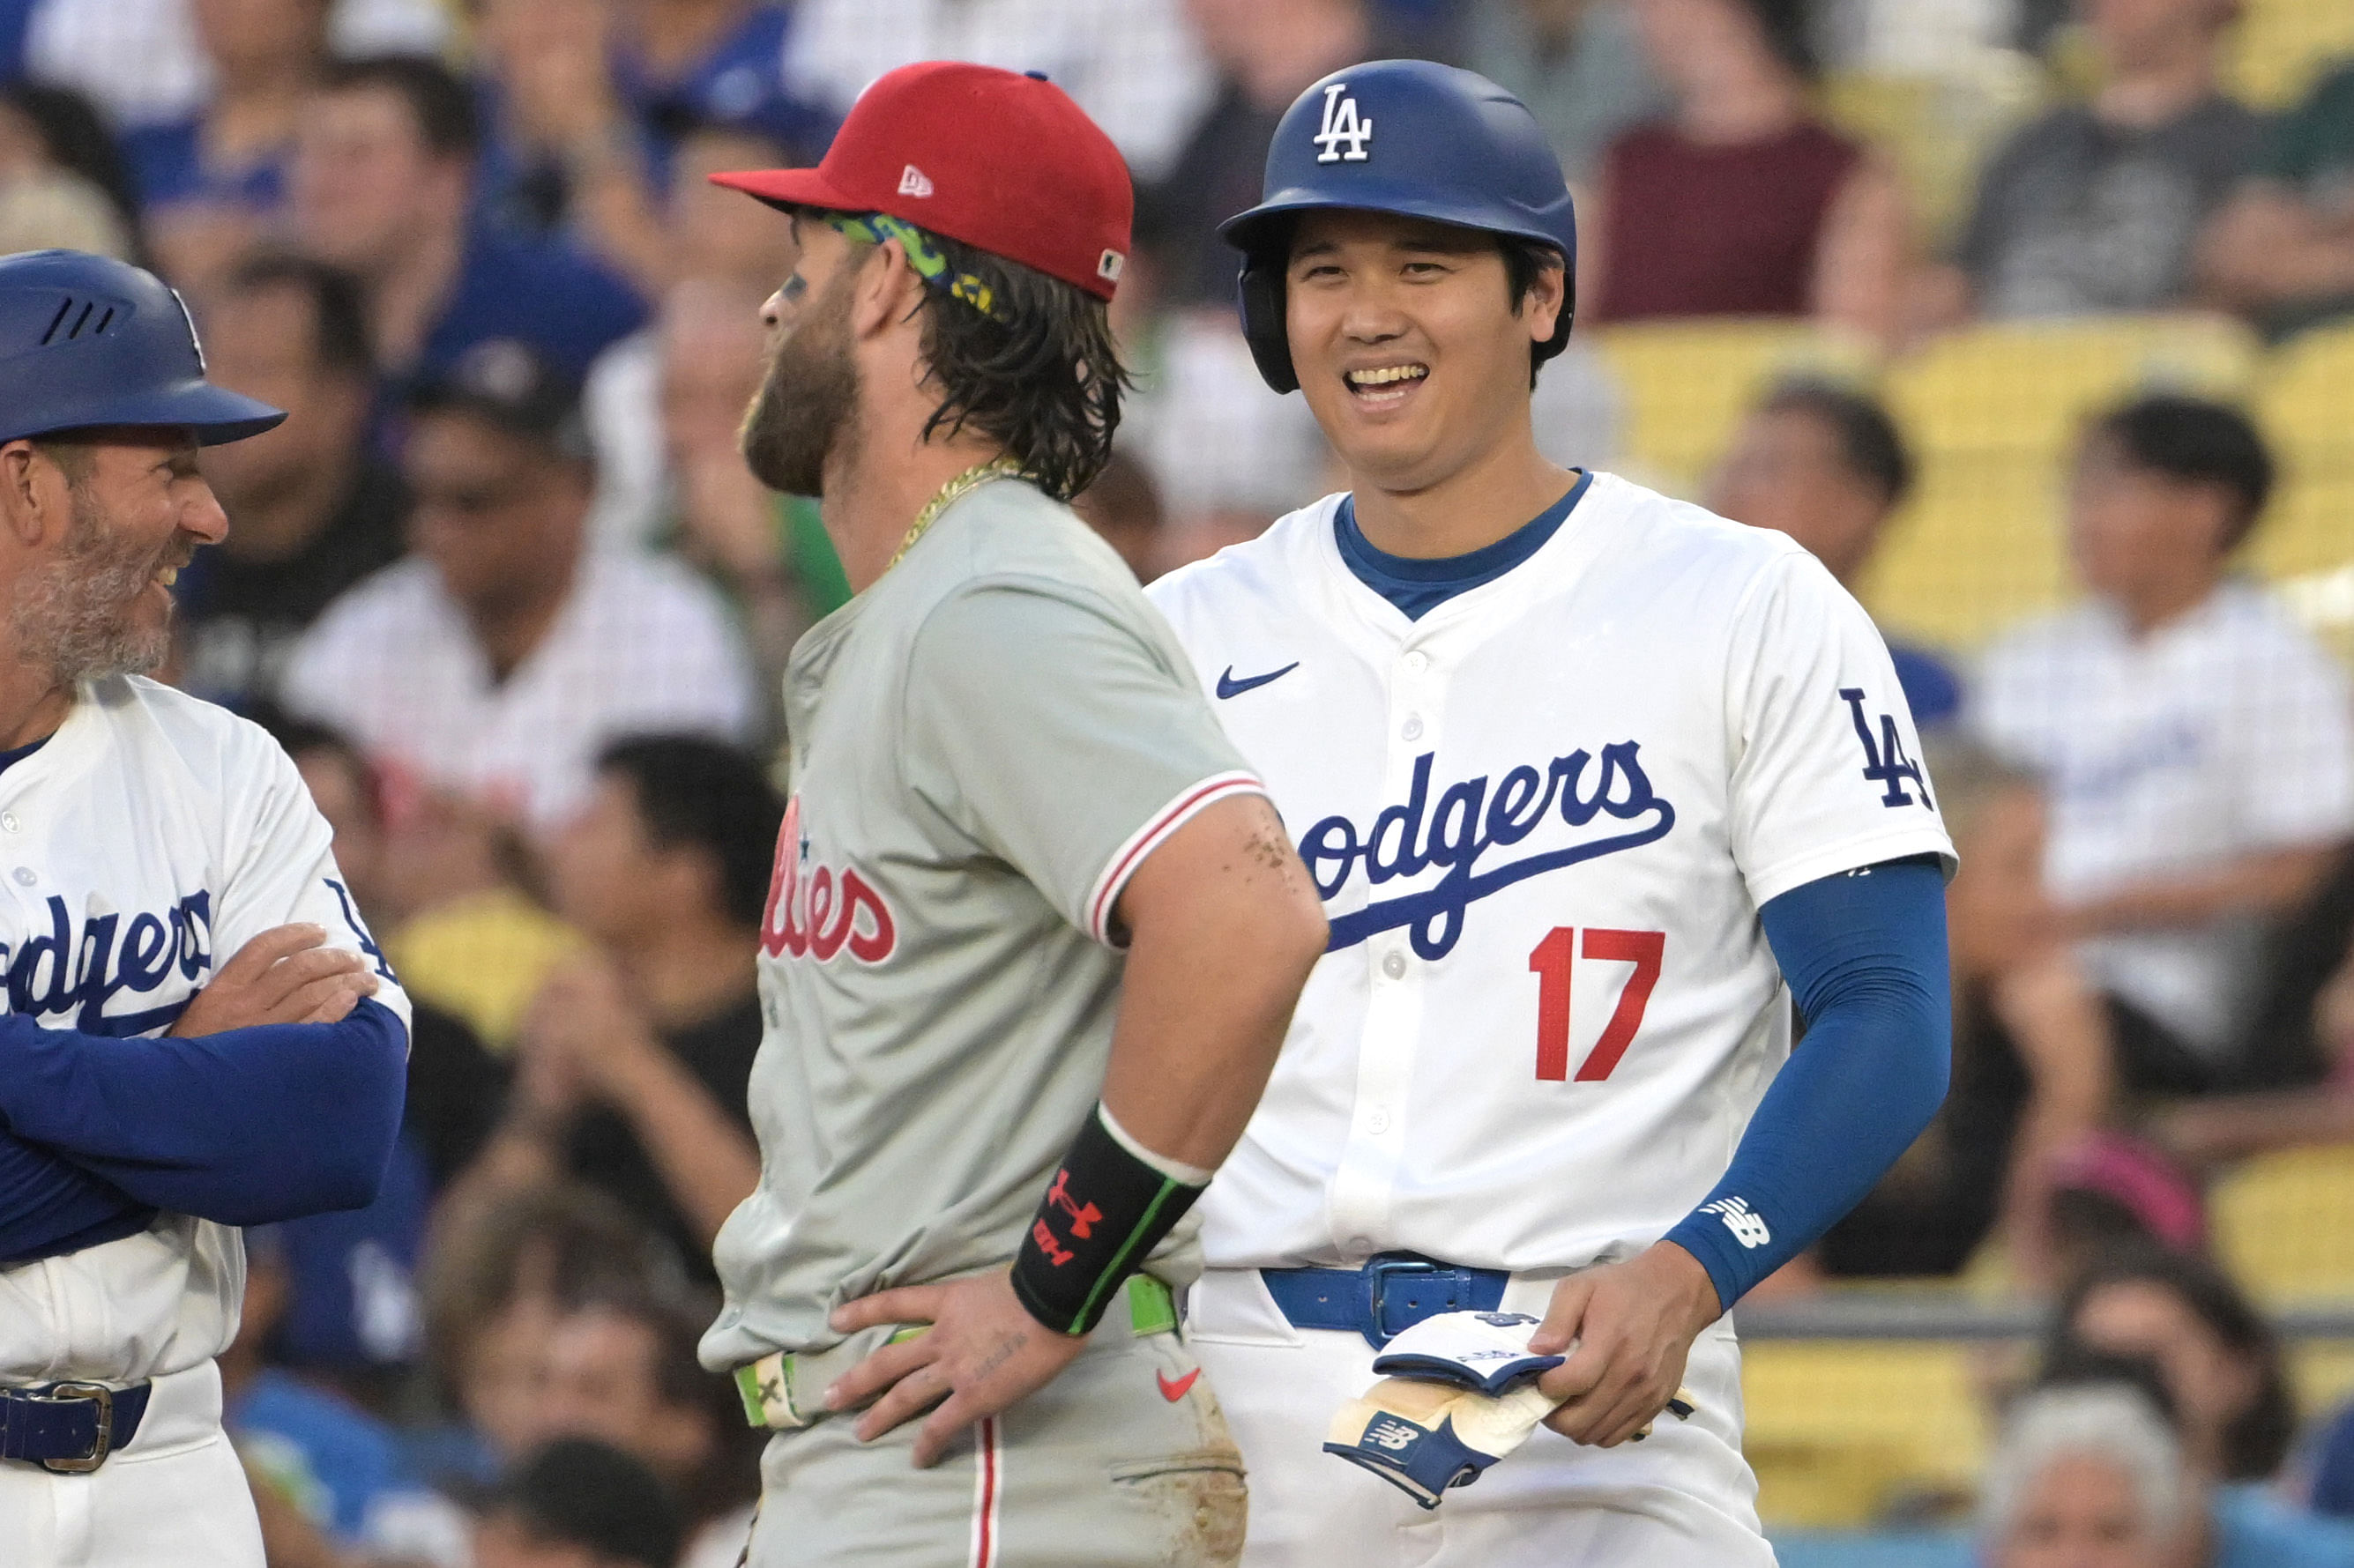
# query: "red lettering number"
[[1551, 961]]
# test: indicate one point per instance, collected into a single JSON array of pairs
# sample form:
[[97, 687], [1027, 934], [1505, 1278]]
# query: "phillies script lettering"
[[1465, 824], [814, 913]]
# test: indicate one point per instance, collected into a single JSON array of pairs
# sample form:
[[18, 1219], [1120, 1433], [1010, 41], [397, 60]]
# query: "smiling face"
[[1408, 345], [99, 603]]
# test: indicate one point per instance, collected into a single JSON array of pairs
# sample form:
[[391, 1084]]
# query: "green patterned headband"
[[874, 227]]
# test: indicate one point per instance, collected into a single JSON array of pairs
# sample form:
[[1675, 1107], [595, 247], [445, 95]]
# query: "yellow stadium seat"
[[1838, 1430], [2280, 46], [2306, 404], [2025, 386], [2321, 1374], [1687, 384], [2285, 1224], [1938, 129], [1978, 546]]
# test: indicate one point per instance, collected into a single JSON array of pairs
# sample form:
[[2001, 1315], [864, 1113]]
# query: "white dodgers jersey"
[[1543, 819], [151, 837]]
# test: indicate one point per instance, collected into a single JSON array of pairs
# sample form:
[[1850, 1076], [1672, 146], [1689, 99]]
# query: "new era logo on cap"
[[993, 159]]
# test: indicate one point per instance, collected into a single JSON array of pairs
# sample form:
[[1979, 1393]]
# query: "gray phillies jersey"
[[985, 745]]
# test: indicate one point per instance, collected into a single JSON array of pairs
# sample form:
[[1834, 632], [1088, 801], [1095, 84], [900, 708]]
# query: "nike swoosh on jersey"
[[1173, 1391], [1230, 687]]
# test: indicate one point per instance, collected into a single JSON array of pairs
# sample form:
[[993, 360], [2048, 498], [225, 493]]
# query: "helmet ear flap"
[[1260, 286]]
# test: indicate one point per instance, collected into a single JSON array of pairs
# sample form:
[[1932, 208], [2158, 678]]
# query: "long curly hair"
[[1039, 374]]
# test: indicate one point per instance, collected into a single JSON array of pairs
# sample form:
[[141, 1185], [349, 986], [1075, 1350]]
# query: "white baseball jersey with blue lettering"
[[152, 837], [1543, 818]]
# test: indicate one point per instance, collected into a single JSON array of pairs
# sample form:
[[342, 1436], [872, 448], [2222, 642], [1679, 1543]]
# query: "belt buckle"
[[1378, 1272], [84, 1392]]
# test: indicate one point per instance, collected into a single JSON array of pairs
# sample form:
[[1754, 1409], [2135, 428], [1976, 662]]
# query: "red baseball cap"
[[998, 160]]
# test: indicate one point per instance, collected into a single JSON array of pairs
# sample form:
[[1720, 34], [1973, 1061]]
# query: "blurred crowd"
[[504, 589]]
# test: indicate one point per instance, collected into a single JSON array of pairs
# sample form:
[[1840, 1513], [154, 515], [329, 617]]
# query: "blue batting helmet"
[[87, 340], [1407, 137]]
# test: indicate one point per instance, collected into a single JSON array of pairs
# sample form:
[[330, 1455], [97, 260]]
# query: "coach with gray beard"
[[156, 1091]]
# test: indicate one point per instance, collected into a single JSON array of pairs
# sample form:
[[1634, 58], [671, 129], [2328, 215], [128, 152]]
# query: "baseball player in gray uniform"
[[982, 1123]]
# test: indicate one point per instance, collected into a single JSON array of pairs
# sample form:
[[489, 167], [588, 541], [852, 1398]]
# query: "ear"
[[31, 490], [889, 291], [1542, 306]]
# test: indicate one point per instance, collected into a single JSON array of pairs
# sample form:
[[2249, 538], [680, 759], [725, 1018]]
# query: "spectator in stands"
[[578, 1504], [2196, 742], [1265, 57], [561, 155], [1124, 505], [1826, 465], [499, 1275], [2282, 250], [342, 1466], [2085, 1474], [314, 510], [140, 60], [1131, 64], [716, 233], [684, 64], [2305, 1023], [209, 182], [53, 135], [2094, 207], [2031, 1073], [2093, 1467], [2219, 1360], [1579, 66], [634, 1059], [382, 184], [498, 660], [1740, 203], [622, 1370]]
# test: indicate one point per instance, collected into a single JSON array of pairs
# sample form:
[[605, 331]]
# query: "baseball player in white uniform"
[[198, 1034], [1595, 786]]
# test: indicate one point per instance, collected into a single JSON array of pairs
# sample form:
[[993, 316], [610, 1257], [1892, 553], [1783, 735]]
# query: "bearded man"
[[980, 1125], [153, 1096]]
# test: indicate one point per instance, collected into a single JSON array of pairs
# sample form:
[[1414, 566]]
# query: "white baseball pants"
[[1683, 1498], [175, 1497]]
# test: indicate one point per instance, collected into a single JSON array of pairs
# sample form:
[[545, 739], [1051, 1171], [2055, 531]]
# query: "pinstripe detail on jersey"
[[1122, 866]]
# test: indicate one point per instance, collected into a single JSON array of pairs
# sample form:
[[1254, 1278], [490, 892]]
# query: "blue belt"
[[1382, 1300], [68, 1427]]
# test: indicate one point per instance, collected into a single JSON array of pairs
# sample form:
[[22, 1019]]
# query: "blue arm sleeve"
[[50, 1205], [245, 1127], [1865, 956]]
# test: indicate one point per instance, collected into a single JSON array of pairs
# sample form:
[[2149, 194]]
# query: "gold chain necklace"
[[947, 496]]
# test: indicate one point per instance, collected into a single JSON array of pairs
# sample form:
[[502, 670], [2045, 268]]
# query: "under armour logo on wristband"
[[1055, 1251], [1748, 1228], [1083, 1217]]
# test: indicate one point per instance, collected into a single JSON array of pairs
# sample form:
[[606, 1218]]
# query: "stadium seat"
[[2303, 402], [2280, 46], [1839, 1430], [2284, 1223], [1938, 129], [1687, 383], [2025, 386]]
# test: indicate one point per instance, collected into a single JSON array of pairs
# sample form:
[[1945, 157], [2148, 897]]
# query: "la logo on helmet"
[[1342, 124]]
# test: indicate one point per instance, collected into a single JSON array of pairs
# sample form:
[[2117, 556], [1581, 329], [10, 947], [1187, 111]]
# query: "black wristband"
[[1105, 1213]]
